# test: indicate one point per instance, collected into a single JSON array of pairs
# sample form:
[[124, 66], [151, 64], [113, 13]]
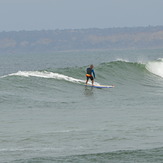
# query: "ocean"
[[47, 115]]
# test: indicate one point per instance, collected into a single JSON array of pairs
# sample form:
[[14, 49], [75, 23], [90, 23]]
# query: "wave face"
[[115, 73]]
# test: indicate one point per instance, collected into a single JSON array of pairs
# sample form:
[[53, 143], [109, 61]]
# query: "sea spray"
[[155, 67]]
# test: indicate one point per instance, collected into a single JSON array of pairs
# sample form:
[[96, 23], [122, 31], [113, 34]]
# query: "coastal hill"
[[81, 39]]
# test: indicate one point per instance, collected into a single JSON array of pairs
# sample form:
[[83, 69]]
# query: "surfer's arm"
[[93, 73]]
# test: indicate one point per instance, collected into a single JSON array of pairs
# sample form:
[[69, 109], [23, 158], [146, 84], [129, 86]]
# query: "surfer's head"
[[91, 66]]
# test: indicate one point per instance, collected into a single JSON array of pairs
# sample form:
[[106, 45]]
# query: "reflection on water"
[[88, 91]]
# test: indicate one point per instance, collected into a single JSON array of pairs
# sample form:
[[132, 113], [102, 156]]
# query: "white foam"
[[156, 67], [122, 60], [48, 75], [160, 59]]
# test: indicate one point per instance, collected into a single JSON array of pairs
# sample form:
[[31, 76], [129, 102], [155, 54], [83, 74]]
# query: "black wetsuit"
[[89, 74]]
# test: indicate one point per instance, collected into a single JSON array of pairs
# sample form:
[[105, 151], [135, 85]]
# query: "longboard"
[[99, 86]]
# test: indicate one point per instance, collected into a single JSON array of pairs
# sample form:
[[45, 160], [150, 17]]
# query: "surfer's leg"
[[87, 80], [92, 80]]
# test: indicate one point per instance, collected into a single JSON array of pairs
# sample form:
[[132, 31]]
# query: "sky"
[[16, 15]]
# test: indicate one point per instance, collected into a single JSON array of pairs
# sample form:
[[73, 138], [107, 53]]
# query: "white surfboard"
[[99, 86]]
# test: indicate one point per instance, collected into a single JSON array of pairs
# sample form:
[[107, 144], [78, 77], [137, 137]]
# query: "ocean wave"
[[123, 60], [123, 156], [47, 75], [155, 67], [115, 71], [123, 67]]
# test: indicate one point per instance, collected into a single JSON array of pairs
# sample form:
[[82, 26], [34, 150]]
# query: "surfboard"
[[99, 86]]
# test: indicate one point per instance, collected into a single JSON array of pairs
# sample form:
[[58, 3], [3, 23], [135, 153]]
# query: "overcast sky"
[[65, 14]]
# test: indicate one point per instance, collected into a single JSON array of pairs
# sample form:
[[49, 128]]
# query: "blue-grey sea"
[[47, 115]]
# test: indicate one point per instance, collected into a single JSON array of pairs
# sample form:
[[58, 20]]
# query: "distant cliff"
[[81, 39]]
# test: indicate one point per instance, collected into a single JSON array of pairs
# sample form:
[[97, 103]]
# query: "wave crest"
[[48, 75]]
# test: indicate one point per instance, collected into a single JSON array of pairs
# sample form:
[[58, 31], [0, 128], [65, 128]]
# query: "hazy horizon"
[[17, 15]]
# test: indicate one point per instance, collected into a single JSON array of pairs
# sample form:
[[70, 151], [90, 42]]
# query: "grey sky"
[[64, 14]]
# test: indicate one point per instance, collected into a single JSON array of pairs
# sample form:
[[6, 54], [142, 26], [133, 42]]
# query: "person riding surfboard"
[[90, 74]]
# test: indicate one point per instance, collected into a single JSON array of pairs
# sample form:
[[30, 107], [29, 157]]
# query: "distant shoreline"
[[47, 41]]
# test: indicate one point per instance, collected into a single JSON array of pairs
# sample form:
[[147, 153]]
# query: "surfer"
[[89, 75]]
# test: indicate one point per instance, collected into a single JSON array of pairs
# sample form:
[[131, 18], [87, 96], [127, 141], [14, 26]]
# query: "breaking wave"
[[156, 67]]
